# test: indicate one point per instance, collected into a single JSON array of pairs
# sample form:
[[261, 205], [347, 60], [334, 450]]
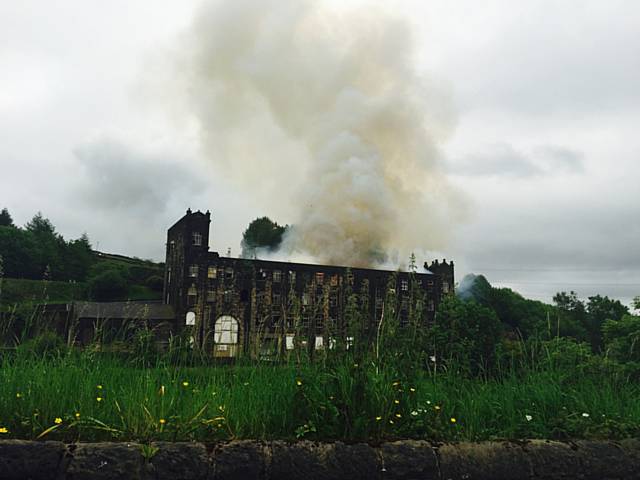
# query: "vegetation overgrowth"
[[455, 387]]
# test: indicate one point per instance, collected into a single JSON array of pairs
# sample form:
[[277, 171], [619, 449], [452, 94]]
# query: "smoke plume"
[[322, 115]]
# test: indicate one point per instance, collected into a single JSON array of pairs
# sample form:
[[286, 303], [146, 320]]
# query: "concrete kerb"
[[277, 460]]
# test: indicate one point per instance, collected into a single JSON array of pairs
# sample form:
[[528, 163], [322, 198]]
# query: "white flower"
[[432, 358], [585, 415], [414, 413], [528, 417]]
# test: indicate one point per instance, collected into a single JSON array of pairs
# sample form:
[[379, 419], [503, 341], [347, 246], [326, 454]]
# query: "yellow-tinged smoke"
[[324, 112]]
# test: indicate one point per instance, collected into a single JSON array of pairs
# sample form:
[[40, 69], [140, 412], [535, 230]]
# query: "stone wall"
[[248, 460]]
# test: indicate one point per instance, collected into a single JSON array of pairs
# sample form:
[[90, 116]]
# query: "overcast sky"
[[544, 151]]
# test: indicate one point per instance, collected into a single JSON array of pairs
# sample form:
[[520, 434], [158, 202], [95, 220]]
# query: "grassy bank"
[[79, 396]]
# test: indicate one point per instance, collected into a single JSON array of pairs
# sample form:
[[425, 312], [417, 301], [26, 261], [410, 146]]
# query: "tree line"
[[36, 251]]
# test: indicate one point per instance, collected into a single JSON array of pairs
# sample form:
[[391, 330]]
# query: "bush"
[[44, 345], [155, 283], [108, 286]]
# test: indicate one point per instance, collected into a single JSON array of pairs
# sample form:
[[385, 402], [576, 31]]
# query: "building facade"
[[235, 306]]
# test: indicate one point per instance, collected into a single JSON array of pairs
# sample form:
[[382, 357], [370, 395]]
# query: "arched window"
[[226, 330], [190, 318]]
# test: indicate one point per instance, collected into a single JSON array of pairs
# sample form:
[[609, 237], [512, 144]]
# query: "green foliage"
[[107, 286], [155, 283], [5, 218], [45, 344], [465, 335], [261, 233], [622, 338]]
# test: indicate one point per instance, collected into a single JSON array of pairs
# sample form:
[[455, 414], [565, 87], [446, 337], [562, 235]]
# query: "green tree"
[[261, 233], [465, 334], [600, 309], [571, 316], [622, 338], [5, 219]]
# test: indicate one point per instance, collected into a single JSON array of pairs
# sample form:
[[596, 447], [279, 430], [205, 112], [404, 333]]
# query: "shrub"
[[108, 286]]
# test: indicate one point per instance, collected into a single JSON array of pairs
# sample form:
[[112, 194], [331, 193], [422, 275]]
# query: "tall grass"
[[74, 397]]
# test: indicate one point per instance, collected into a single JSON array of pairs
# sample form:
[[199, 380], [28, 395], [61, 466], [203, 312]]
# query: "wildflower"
[[412, 389], [57, 421], [378, 418], [99, 387], [437, 407], [246, 383], [221, 408], [398, 415], [18, 395], [414, 413], [528, 417], [355, 365], [428, 402], [585, 415], [185, 384], [77, 414], [161, 392], [4, 430], [391, 422], [453, 420], [396, 402], [98, 399], [162, 421], [395, 384], [298, 382]]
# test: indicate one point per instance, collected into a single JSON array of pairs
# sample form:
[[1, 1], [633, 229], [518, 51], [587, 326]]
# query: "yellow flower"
[[161, 392], [437, 407], [298, 382], [378, 419], [99, 387], [185, 384], [98, 399], [77, 415], [453, 420], [398, 415], [4, 430], [221, 408], [57, 421], [396, 402], [162, 421], [18, 395], [395, 384]]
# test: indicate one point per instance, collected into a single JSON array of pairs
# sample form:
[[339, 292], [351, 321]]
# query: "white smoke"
[[324, 113]]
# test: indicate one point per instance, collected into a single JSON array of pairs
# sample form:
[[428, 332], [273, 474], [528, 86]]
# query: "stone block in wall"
[[105, 461], [483, 461], [187, 461], [551, 460], [408, 460], [604, 460], [326, 461], [240, 460], [21, 459]]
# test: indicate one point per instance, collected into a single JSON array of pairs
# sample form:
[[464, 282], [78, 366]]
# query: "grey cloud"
[[504, 160], [120, 177]]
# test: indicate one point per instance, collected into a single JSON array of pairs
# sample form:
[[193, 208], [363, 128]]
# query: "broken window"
[[197, 238], [334, 280], [319, 278], [277, 299], [228, 296], [193, 270], [289, 342], [228, 273], [226, 330], [211, 294]]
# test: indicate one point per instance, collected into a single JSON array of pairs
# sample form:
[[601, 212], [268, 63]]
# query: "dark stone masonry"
[[249, 460]]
